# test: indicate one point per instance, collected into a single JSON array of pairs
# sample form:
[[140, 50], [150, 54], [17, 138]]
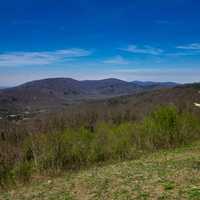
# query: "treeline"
[[58, 144]]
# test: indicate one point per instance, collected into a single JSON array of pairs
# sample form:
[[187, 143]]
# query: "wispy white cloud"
[[143, 50], [177, 54], [192, 46], [41, 58], [117, 60]]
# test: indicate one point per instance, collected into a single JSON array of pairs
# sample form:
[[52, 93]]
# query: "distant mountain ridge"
[[60, 91], [151, 83], [90, 84], [3, 87]]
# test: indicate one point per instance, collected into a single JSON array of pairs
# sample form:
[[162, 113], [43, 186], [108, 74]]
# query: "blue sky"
[[154, 40]]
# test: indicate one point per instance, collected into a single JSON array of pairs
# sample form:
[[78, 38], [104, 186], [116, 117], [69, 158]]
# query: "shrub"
[[6, 175], [166, 128], [160, 128], [23, 171]]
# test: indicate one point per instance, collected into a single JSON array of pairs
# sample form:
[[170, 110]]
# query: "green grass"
[[171, 174]]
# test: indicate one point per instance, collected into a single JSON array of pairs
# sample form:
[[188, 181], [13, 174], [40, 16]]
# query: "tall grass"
[[71, 148]]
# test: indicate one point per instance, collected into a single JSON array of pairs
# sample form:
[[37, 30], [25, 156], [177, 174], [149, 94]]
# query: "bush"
[[6, 175], [23, 171], [167, 128], [160, 128]]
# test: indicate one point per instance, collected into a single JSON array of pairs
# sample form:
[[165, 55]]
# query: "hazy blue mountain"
[[60, 91], [3, 87], [151, 83]]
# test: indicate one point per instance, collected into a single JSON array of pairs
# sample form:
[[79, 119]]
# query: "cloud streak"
[[41, 58], [192, 46], [142, 50], [117, 60], [177, 54]]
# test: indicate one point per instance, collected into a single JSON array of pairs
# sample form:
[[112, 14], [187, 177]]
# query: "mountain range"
[[53, 92]]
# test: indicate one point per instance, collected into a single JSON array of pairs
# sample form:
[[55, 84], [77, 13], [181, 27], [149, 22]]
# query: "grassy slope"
[[163, 175]]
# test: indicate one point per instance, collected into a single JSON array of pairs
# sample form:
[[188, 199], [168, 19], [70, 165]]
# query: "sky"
[[157, 40]]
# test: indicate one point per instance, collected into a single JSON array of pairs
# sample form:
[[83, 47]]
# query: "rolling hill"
[[54, 92], [182, 96]]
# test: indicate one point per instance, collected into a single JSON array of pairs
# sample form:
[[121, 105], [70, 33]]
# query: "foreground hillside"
[[173, 174], [155, 158]]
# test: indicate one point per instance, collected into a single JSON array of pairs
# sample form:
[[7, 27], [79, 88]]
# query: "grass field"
[[173, 174]]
